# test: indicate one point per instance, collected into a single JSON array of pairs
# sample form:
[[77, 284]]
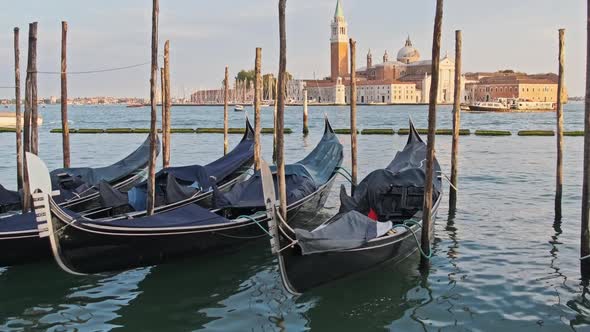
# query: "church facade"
[[403, 80]]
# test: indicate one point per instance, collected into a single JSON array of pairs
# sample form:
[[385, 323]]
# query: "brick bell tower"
[[339, 45]]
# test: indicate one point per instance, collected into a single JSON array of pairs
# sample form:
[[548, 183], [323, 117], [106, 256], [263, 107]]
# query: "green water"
[[501, 263]]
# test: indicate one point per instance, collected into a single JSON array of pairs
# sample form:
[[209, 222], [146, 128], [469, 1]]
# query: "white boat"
[[8, 120], [534, 106], [239, 108], [488, 106]]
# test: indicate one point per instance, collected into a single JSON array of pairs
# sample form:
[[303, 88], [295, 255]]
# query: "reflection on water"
[[500, 260]]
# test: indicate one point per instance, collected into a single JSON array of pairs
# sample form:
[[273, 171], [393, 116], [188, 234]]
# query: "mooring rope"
[[104, 70], [409, 228]]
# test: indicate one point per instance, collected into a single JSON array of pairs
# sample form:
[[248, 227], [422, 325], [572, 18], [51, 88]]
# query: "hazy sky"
[[206, 35]]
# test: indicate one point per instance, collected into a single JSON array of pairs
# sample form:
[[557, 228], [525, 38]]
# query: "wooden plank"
[[427, 210], [456, 123]]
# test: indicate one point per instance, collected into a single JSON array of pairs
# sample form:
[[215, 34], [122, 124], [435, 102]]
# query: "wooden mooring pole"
[[456, 122], [167, 109], [225, 102], [559, 113], [280, 121], [153, 130], [585, 224], [305, 115], [18, 128], [65, 128], [353, 114], [274, 125], [34, 99], [427, 210], [257, 98], [163, 103]]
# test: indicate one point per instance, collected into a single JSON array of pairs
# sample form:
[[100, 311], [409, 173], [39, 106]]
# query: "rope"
[[93, 71], [344, 169], [409, 228], [251, 218]]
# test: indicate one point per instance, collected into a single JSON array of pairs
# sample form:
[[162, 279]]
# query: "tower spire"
[[338, 12]]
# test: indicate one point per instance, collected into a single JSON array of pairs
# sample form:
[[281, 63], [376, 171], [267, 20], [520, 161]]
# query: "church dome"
[[408, 53]]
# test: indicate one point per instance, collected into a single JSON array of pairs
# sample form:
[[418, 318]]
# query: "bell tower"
[[339, 45]]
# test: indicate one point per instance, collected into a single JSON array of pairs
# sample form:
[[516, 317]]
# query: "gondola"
[[79, 185], [380, 223], [19, 237], [82, 245]]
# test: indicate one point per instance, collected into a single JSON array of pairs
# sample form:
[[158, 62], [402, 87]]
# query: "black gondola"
[[380, 223], [79, 185], [81, 245], [19, 236]]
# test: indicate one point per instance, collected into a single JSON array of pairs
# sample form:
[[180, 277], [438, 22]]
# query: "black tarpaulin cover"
[[392, 193], [138, 159], [351, 230], [8, 197], [186, 216], [302, 178], [177, 183], [18, 223]]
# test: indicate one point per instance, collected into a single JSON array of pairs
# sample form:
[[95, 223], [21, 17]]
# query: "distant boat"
[[489, 106], [239, 108], [134, 105], [8, 120]]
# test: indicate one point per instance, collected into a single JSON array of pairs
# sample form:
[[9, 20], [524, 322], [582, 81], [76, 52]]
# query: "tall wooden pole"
[[153, 130], [18, 128], [257, 99], [163, 102], [225, 115], [28, 126], [305, 115], [274, 125], [353, 113], [560, 85], [585, 225], [456, 122], [65, 128], [427, 210], [281, 110], [168, 102], [34, 101]]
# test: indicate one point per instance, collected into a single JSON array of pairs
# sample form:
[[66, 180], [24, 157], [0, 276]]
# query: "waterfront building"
[[511, 85]]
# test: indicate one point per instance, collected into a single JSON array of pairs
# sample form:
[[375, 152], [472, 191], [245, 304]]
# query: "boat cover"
[[18, 223], [302, 178], [174, 184], [80, 181], [393, 193], [138, 159], [186, 216], [8, 197], [351, 230]]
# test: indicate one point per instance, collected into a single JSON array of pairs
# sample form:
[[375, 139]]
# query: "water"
[[499, 263]]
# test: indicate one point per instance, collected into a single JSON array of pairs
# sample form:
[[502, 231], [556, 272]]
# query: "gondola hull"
[[29, 247], [304, 272], [85, 249]]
